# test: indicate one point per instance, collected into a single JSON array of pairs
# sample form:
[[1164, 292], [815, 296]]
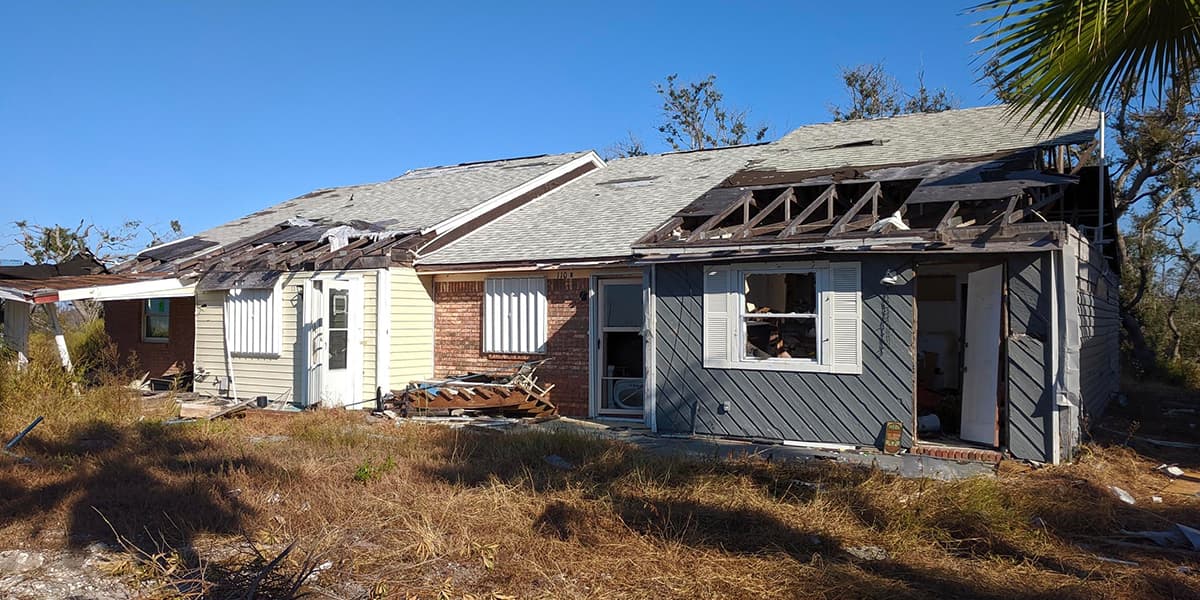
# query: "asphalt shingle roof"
[[417, 199], [601, 214], [916, 137]]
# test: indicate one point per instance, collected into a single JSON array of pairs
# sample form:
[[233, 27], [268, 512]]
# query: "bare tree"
[[697, 117], [630, 146], [57, 243], [874, 94]]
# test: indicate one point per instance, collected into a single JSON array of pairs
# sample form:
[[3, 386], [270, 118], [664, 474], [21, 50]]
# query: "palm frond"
[[1064, 56]]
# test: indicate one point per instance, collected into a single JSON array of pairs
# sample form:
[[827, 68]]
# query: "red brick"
[[458, 338], [123, 323]]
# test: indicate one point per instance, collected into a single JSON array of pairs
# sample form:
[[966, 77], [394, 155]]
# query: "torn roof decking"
[[976, 204], [418, 200]]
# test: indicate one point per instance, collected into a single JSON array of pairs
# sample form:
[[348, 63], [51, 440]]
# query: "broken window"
[[156, 320], [780, 315]]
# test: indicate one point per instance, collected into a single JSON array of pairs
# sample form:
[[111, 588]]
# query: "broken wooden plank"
[[785, 197], [871, 195], [826, 197], [740, 203]]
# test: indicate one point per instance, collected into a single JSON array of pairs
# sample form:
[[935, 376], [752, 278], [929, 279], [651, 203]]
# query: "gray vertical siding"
[[1099, 330], [1029, 385], [813, 407]]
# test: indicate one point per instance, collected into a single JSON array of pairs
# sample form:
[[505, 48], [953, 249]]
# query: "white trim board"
[[448, 225]]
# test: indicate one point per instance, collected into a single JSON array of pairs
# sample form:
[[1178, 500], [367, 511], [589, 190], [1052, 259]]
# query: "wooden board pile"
[[516, 394]]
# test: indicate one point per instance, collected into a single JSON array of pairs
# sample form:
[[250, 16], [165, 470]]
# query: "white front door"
[[339, 348], [981, 359], [619, 361]]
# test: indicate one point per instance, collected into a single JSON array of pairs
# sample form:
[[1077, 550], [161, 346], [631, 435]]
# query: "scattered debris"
[[1181, 536], [20, 561], [509, 394], [558, 462], [20, 436], [868, 552], [212, 409], [1156, 499], [1171, 471], [1122, 495], [1116, 561]]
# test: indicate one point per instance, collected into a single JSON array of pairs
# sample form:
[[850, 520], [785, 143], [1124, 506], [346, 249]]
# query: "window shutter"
[[720, 318], [515, 315], [845, 317], [253, 322]]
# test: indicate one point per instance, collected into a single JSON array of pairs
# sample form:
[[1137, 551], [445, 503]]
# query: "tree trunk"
[[1142, 353]]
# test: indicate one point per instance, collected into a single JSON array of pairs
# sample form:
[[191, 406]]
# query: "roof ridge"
[[487, 162]]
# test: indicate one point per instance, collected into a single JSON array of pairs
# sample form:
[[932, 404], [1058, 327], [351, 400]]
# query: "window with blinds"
[[253, 322], [514, 315]]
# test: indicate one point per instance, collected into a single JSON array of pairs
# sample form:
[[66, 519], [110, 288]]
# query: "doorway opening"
[[960, 354], [619, 359]]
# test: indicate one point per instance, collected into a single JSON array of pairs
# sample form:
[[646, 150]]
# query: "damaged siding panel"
[[1099, 328], [1029, 383], [411, 355], [782, 405]]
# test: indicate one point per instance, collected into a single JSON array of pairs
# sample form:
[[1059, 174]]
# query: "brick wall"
[[458, 338], [123, 323]]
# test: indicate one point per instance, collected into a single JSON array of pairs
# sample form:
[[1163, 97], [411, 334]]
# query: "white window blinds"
[[514, 318], [253, 322]]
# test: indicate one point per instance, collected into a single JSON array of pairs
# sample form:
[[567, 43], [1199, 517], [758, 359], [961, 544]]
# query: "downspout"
[[228, 354], [1055, 360], [1101, 180]]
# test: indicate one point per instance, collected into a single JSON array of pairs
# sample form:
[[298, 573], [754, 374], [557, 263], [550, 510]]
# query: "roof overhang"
[[93, 287], [547, 265]]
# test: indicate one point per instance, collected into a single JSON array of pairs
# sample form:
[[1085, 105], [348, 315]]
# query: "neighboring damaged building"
[[315, 300], [557, 279], [947, 272]]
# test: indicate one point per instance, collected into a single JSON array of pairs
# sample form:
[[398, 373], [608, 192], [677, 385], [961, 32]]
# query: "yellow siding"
[[412, 327], [279, 377]]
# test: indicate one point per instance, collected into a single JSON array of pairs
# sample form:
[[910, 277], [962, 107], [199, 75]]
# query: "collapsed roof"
[[890, 184], [357, 226]]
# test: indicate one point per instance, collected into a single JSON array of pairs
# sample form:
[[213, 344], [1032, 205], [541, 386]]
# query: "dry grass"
[[420, 511]]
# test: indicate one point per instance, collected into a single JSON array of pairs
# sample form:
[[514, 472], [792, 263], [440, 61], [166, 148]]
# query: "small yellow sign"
[[893, 430]]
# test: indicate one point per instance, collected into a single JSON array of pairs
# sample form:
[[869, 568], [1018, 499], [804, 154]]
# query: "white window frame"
[[493, 342], [821, 276], [146, 314], [725, 343], [275, 301]]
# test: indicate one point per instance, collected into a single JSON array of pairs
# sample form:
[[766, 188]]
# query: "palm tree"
[[1060, 56]]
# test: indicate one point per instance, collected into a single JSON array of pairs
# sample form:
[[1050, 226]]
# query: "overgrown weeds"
[[274, 507]]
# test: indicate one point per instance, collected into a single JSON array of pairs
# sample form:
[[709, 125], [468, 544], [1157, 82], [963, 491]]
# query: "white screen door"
[[620, 353], [981, 360]]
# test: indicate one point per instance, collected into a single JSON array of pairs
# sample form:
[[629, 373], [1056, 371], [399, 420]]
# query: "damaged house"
[[945, 272], [314, 300], [944, 276]]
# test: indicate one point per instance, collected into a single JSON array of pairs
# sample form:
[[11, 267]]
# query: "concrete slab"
[[905, 465]]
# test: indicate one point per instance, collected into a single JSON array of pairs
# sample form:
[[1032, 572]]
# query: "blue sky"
[[204, 111]]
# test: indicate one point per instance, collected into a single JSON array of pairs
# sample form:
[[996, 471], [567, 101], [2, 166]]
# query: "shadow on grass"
[[991, 523], [148, 486]]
